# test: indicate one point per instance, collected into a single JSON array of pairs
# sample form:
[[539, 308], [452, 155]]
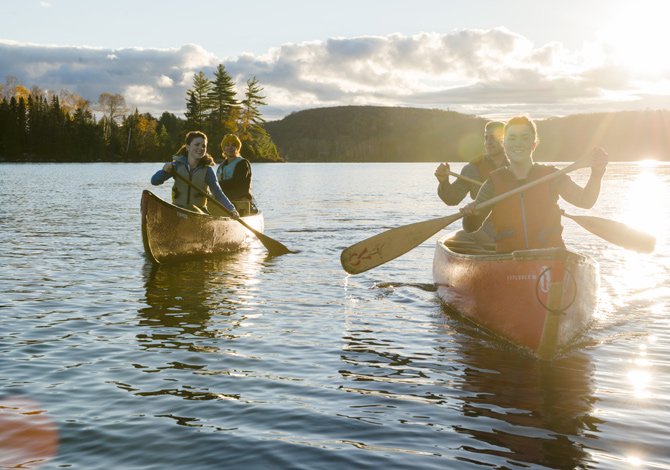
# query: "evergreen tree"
[[225, 107], [198, 103], [250, 118]]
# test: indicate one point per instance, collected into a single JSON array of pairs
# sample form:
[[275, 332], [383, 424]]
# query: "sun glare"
[[644, 201], [636, 33]]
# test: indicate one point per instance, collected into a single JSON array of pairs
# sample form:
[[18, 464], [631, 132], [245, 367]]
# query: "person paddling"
[[234, 175], [531, 219], [477, 170], [193, 163]]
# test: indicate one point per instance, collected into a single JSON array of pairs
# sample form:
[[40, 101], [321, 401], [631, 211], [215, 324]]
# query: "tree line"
[[43, 125], [397, 134]]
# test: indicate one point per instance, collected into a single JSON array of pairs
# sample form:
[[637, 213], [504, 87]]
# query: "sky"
[[489, 58]]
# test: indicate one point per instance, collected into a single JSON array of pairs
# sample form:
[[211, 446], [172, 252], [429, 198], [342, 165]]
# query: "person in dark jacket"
[[234, 174]]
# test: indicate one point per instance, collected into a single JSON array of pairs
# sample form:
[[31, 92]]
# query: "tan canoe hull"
[[171, 233]]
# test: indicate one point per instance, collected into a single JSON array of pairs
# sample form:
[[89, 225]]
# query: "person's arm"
[[587, 196], [162, 175], [453, 193], [474, 217], [213, 185]]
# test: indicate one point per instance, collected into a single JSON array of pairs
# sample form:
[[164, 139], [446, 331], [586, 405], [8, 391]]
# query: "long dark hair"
[[207, 159]]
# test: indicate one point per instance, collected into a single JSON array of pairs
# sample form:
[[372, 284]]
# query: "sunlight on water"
[[644, 200], [642, 206]]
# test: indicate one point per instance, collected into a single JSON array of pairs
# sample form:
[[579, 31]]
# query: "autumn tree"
[[113, 108]]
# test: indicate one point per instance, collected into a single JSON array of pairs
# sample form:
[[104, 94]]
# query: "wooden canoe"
[[170, 232], [540, 300]]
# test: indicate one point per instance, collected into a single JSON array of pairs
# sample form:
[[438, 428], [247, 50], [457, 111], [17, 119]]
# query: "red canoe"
[[540, 300], [170, 232]]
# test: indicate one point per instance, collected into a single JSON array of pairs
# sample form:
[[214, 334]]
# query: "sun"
[[635, 35]]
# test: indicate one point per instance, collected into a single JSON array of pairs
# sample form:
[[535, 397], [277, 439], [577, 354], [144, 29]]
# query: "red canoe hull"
[[540, 300]]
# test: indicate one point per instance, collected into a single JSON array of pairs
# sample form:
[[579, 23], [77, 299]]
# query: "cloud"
[[492, 72]]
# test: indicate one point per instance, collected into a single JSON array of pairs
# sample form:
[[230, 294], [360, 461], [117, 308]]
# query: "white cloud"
[[165, 82], [142, 95], [488, 72]]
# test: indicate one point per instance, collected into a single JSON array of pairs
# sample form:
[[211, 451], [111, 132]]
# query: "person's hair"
[[492, 125], [523, 121], [229, 139], [207, 159]]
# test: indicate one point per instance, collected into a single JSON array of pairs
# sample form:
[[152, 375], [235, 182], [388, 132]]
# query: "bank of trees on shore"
[[41, 125]]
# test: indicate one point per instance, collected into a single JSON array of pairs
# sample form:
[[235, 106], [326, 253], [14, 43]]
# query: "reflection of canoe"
[[540, 300], [170, 232]]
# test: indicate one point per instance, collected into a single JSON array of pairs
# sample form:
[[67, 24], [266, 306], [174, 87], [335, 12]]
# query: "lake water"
[[249, 362]]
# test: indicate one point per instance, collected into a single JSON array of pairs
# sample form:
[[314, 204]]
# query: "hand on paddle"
[[168, 167], [442, 172], [469, 209], [599, 160]]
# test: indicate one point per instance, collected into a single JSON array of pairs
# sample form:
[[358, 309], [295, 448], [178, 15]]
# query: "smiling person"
[[193, 163], [234, 175], [478, 170], [532, 219]]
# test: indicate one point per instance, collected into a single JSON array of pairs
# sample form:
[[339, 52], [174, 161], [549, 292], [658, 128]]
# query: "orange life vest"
[[531, 219], [485, 166]]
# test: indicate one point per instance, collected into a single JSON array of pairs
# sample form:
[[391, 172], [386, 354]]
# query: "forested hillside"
[[372, 134]]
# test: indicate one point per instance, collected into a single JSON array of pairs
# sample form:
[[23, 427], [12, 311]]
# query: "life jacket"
[[236, 189], [531, 219], [485, 166], [182, 194], [225, 171]]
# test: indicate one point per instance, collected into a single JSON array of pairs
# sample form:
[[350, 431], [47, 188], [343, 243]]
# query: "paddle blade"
[[617, 233], [274, 247], [388, 245]]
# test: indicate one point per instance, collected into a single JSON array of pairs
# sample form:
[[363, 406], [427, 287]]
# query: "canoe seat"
[[243, 206], [469, 248]]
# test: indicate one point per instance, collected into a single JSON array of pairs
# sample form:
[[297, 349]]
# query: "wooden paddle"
[[274, 247], [466, 178], [616, 232], [388, 245], [609, 230]]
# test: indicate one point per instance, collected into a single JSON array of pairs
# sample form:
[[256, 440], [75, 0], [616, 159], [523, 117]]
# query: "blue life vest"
[[225, 171]]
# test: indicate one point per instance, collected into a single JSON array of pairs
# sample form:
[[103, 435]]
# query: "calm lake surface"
[[249, 362]]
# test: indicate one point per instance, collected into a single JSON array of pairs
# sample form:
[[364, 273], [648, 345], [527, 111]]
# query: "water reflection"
[[196, 306], [199, 299], [526, 410]]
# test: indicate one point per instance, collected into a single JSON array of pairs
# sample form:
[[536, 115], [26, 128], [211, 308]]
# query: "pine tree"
[[225, 107], [250, 118], [198, 103]]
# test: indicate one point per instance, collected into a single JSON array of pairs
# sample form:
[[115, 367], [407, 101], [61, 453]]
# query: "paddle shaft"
[[466, 178], [274, 247]]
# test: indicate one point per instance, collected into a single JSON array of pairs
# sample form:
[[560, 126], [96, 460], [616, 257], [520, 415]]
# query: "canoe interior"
[[171, 233], [540, 300]]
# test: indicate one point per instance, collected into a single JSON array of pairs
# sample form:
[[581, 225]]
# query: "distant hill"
[[392, 134]]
